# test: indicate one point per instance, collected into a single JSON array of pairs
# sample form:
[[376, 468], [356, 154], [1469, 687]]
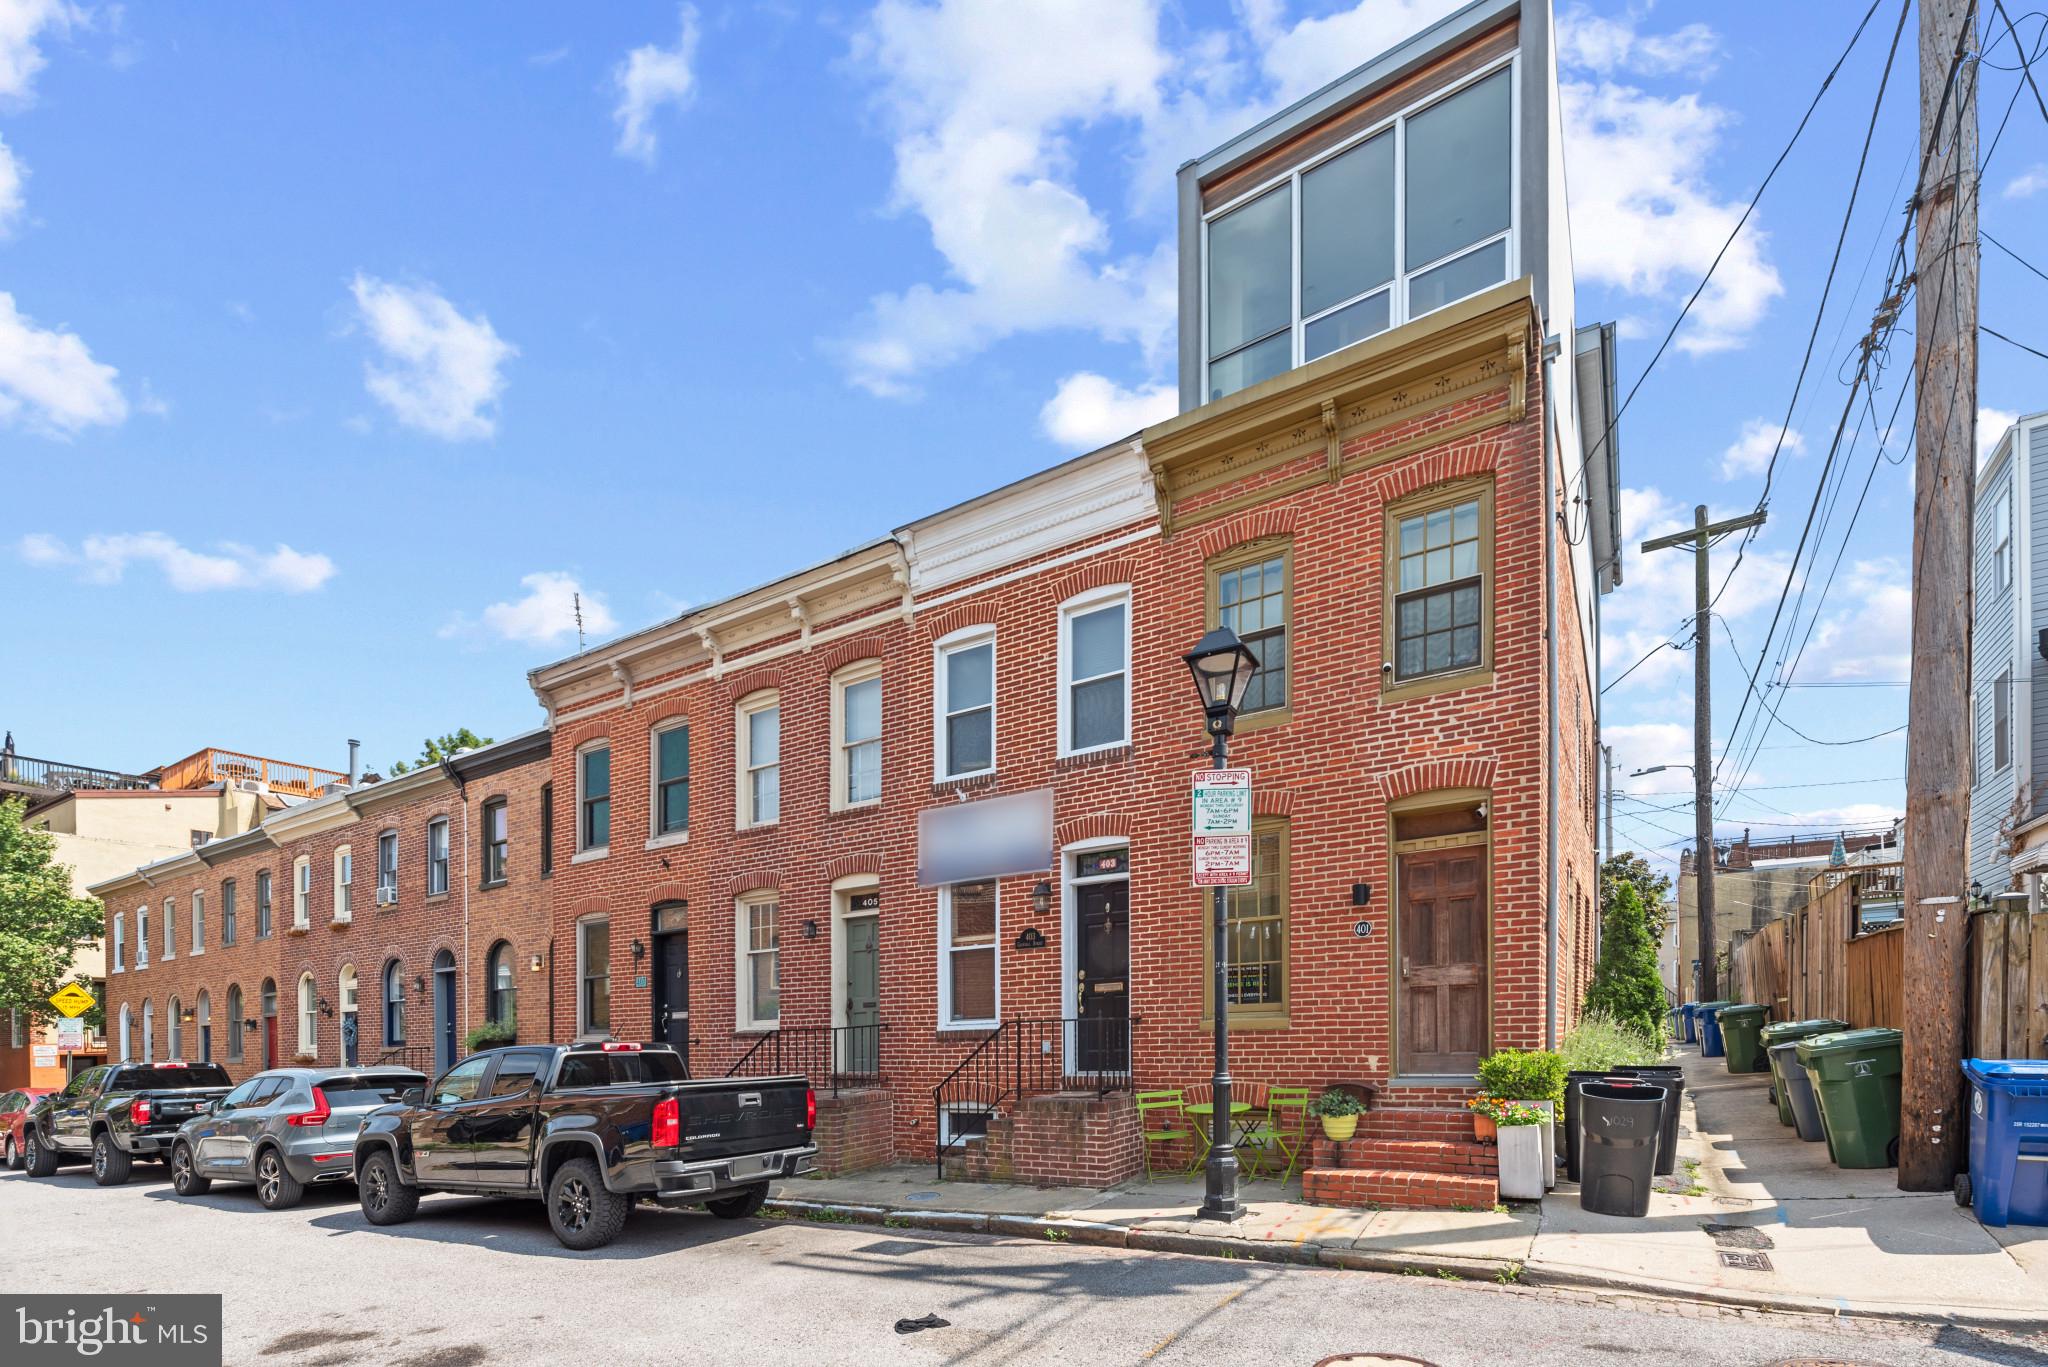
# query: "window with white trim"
[[142, 937], [437, 856], [302, 892], [227, 911], [387, 867], [1095, 668], [2001, 536], [497, 841], [309, 1017], [1384, 229], [964, 702], [120, 943], [263, 904], [970, 919], [170, 929], [760, 961], [857, 735], [759, 733], [2001, 719], [594, 976], [344, 881], [671, 769]]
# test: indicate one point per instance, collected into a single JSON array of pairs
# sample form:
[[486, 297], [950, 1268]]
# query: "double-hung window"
[[760, 740], [227, 912], [437, 856], [857, 735], [198, 921], [387, 868], [344, 884], [760, 944], [1438, 582], [594, 798], [497, 842], [120, 943], [594, 977], [1415, 216], [302, 892], [966, 705], [672, 780], [1249, 590], [263, 904], [170, 928], [2001, 536], [1095, 666], [969, 920], [547, 830], [1256, 923], [142, 937]]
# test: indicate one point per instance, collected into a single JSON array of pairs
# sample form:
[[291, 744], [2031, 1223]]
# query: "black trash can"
[[1571, 1119], [1672, 1079], [1620, 1122]]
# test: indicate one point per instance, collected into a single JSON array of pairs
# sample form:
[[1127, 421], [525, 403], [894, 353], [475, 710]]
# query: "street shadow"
[[240, 1198], [1971, 1344], [520, 1228]]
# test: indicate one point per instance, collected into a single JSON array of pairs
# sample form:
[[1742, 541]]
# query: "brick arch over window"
[[752, 681], [668, 710], [1270, 801], [844, 653], [1252, 526], [1433, 774], [758, 880], [1100, 826], [846, 865], [1095, 574], [667, 892], [1475, 456], [937, 624], [590, 906], [577, 736]]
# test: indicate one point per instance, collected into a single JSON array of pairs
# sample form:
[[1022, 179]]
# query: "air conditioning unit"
[[387, 897], [252, 785]]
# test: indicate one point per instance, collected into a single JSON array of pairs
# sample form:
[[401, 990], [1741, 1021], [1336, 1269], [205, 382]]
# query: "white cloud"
[[12, 199], [545, 615], [1310, 54], [1604, 44], [21, 23], [1644, 745], [1750, 454], [104, 559], [1870, 636], [49, 381], [1090, 410], [2028, 183], [444, 369], [649, 78], [1991, 425]]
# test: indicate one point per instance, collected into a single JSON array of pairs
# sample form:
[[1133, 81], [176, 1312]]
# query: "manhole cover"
[[1738, 1236], [921, 1196], [1371, 1360], [1747, 1262]]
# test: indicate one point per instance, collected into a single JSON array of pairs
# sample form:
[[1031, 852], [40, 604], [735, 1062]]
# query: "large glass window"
[[1437, 607], [1096, 697], [967, 708], [761, 962], [1249, 589], [861, 740], [1355, 275], [1257, 921], [497, 841], [594, 798], [672, 780], [968, 924], [761, 760], [594, 973]]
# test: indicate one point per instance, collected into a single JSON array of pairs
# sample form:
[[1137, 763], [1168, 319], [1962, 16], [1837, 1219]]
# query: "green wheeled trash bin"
[[1855, 1076], [1708, 1014], [1789, 1032], [1741, 1025]]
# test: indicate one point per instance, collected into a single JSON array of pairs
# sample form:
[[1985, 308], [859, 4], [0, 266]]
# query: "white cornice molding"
[[1073, 503]]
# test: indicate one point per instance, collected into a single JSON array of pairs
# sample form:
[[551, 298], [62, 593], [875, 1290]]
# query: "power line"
[[2032, 351]]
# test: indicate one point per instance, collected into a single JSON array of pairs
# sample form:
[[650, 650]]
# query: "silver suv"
[[284, 1130]]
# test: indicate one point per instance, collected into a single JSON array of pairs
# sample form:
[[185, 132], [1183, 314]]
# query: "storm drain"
[[1746, 1262], [1738, 1236]]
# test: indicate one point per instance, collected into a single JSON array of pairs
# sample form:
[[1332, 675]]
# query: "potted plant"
[[490, 1035], [1521, 1129], [1339, 1112], [1485, 1116], [1534, 1077]]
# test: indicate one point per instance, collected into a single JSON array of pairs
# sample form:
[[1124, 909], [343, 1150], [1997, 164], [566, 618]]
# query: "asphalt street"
[[473, 1282]]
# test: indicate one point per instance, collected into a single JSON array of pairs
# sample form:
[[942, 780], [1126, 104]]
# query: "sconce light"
[[1361, 893], [1976, 893], [639, 951], [325, 1009], [535, 964], [1041, 898], [419, 982], [810, 930], [249, 1023]]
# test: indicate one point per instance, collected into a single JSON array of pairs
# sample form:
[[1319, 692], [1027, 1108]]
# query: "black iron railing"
[[831, 1056], [418, 1057], [21, 771], [1028, 1058]]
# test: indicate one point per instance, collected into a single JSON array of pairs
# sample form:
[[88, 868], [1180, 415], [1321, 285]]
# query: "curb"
[[1098, 1234]]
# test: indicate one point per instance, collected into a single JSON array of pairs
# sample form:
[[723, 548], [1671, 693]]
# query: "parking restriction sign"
[[1223, 861]]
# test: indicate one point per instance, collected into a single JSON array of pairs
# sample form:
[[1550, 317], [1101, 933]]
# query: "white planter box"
[[1521, 1162], [1549, 1128]]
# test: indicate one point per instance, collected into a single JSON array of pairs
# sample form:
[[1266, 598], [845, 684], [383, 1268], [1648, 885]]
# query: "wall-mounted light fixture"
[[1361, 894], [1041, 897], [534, 964], [325, 1009], [419, 982], [639, 951], [249, 1023], [810, 930]]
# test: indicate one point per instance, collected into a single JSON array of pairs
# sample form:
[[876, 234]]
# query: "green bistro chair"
[[1285, 1128], [1159, 1119]]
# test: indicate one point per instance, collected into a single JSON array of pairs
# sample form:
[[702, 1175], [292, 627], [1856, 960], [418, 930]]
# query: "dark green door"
[[861, 1051]]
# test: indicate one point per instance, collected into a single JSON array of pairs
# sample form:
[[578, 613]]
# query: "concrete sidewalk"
[[1833, 1241]]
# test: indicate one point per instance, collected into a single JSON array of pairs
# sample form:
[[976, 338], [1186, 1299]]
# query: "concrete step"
[[1398, 1189], [1459, 1158]]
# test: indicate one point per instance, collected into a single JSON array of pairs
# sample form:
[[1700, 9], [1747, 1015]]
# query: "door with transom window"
[[1441, 941]]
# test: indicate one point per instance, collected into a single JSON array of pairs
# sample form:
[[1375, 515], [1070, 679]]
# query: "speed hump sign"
[[72, 1000]]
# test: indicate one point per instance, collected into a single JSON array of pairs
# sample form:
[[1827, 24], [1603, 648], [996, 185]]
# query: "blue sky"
[[339, 346]]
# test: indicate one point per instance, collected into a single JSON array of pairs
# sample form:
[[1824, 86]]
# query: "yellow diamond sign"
[[72, 999]]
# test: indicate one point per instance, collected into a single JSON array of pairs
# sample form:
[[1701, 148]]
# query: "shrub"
[[1336, 1103], [1626, 985], [1598, 1043], [491, 1034], [1519, 1075]]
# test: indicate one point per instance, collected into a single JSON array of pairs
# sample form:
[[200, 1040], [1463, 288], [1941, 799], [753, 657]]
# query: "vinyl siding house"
[[2009, 716]]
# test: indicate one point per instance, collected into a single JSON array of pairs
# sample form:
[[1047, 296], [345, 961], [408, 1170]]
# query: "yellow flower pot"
[[1339, 1128]]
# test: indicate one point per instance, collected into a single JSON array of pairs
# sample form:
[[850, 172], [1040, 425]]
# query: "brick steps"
[[1419, 1158], [1398, 1189], [1460, 1159]]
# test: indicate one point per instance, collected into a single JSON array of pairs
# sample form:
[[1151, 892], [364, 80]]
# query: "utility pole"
[[1698, 540], [1937, 715]]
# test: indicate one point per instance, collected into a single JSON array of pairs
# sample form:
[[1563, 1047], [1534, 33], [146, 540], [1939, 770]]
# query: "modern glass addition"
[[1437, 604], [497, 842], [594, 797], [1098, 685], [1417, 216], [672, 780], [967, 677], [861, 740]]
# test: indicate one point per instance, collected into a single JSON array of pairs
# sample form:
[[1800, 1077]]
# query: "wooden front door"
[[1441, 971], [860, 1048]]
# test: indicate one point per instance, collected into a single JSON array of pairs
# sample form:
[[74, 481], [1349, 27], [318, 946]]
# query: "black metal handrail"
[[418, 1057], [1022, 1058], [27, 772], [831, 1056]]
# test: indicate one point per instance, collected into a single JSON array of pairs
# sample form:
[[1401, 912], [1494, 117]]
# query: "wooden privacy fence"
[[1843, 956]]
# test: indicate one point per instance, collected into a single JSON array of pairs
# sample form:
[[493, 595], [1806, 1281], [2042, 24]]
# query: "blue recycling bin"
[[2007, 1183], [1688, 1013], [1710, 1029]]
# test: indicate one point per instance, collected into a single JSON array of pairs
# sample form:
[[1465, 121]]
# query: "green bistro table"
[[1206, 1110]]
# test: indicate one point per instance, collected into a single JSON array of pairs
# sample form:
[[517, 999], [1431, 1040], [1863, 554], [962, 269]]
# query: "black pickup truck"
[[116, 1113], [590, 1129]]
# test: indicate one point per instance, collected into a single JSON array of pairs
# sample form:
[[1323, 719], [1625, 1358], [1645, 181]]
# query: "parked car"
[[589, 1129], [116, 1113], [284, 1130], [13, 1110]]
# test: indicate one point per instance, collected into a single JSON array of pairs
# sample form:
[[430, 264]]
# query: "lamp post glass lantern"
[[1223, 667]]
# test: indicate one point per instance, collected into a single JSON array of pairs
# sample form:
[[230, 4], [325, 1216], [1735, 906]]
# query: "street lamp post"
[[1223, 667]]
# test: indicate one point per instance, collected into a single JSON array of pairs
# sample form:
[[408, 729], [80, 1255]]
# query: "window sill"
[[297, 930], [758, 828], [433, 897], [489, 884], [669, 841], [591, 855], [756, 1027], [1265, 717], [1238, 1022], [196, 954], [1103, 754], [984, 778], [854, 809], [968, 1027], [1481, 677]]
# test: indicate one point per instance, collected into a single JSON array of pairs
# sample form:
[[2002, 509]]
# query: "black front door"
[[1103, 1044], [672, 991]]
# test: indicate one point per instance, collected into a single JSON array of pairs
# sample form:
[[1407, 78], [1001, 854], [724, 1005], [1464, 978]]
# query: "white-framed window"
[[148, 1031], [594, 798], [309, 1016], [175, 1018], [668, 769], [2001, 536], [198, 922], [344, 880], [759, 734], [263, 904], [126, 1042], [759, 932], [594, 976], [1095, 671], [142, 937], [970, 971], [387, 866], [120, 943], [302, 891], [857, 735], [170, 928], [437, 856], [1410, 215], [964, 703]]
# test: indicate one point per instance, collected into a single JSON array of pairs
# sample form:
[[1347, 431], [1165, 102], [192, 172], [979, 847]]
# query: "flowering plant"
[[1514, 1113]]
